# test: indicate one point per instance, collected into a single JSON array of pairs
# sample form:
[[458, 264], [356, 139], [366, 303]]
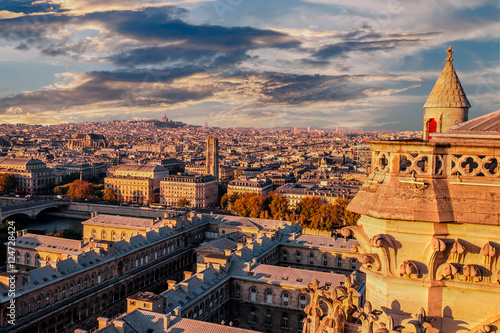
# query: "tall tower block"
[[213, 156], [447, 104]]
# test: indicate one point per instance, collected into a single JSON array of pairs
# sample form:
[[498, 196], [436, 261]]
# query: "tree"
[[224, 201], [183, 202], [109, 195], [151, 200], [278, 206], [7, 183], [80, 189], [308, 208]]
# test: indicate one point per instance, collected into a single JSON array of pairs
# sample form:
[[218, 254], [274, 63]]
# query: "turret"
[[447, 104]]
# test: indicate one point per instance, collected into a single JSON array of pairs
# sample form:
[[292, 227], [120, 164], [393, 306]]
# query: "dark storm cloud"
[[365, 39], [157, 54], [145, 31], [28, 7]]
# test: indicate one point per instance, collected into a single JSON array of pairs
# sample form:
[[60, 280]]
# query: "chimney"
[[293, 236], [250, 247], [248, 266], [119, 325], [239, 246], [200, 266], [238, 253], [259, 241], [103, 322], [79, 330], [227, 252], [187, 275], [201, 277], [216, 267], [21, 232], [171, 284], [166, 322]]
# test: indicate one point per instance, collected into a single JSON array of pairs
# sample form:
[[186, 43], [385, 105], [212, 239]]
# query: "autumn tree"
[[7, 183], [151, 200], [109, 195], [249, 205], [307, 208], [183, 202], [80, 190], [278, 205]]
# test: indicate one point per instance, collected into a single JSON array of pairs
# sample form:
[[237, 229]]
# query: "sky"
[[356, 64]]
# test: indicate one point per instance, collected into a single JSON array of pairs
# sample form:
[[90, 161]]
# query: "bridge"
[[30, 209]]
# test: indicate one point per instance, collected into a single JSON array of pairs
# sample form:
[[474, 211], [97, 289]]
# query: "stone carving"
[[420, 322], [389, 327], [498, 276], [368, 317], [471, 273], [457, 250], [313, 310], [472, 165], [488, 251], [348, 289], [409, 269], [382, 161], [446, 271], [370, 260], [338, 313], [434, 254], [414, 164], [359, 234], [385, 243]]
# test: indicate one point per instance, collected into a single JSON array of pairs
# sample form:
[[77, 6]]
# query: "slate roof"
[[141, 321]]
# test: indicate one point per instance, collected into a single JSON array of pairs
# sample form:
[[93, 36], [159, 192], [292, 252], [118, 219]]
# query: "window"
[[94, 233], [284, 320], [311, 259], [268, 317], [253, 317], [269, 297], [285, 255], [39, 303], [325, 260], [37, 260], [113, 235], [302, 301], [339, 262], [103, 234], [18, 257], [298, 256], [253, 294], [285, 299], [353, 263], [56, 295], [28, 259], [237, 291], [124, 235]]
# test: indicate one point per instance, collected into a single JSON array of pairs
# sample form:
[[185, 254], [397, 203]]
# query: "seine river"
[[49, 224]]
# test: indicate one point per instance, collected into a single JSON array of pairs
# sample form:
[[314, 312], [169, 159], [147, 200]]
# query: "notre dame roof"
[[487, 123], [448, 91]]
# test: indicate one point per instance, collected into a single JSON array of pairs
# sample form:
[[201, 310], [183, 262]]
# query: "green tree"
[[7, 183], [109, 195], [80, 190], [183, 202]]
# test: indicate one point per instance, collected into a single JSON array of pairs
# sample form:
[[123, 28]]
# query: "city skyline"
[[358, 65]]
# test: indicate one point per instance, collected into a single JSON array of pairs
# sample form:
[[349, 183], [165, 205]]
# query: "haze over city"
[[318, 63]]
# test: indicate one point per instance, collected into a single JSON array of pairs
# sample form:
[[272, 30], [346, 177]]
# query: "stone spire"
[[448, 91], [447, 104]]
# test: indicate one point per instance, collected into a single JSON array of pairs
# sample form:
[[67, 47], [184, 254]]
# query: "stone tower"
[[429, 232], [213, 156], [447, 104]]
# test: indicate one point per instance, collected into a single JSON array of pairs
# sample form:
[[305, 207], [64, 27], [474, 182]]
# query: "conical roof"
[[448, 91]]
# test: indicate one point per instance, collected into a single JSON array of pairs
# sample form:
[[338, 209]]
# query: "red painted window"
[[432, 127]]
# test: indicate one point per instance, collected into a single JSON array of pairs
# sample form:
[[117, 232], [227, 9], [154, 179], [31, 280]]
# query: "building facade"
[[244, 185], [31, 174], [90, 140], [200, 190]]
